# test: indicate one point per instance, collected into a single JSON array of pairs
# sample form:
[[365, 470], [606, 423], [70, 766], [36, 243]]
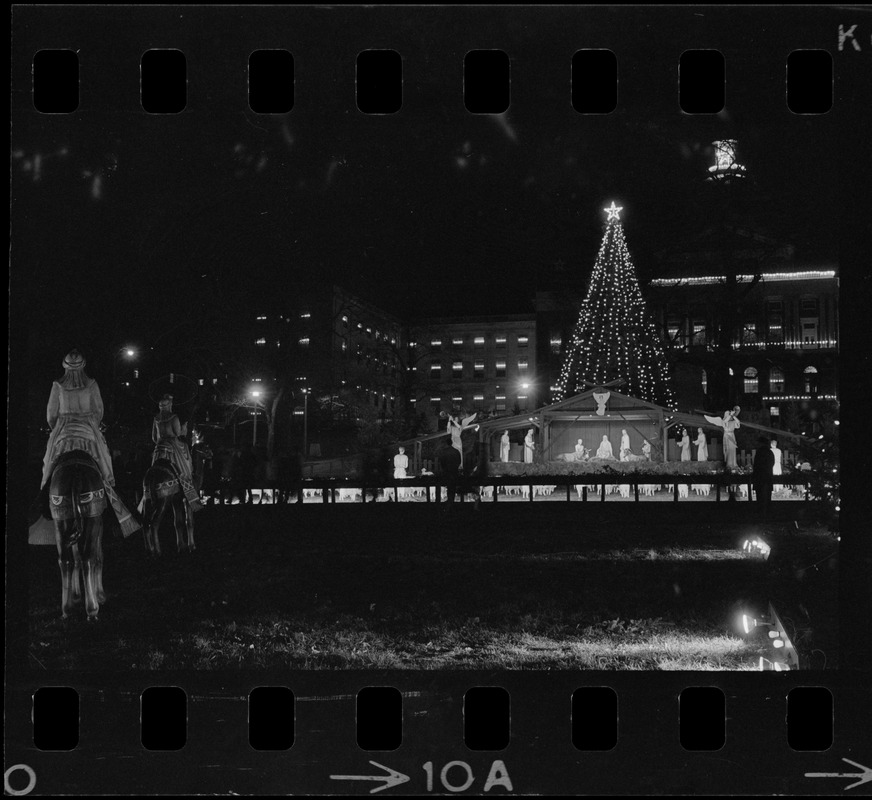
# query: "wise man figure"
[[504, 447], [74, 413], [166, 433]]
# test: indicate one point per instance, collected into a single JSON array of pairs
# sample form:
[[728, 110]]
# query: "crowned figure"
[[166, 433], [74, 413]]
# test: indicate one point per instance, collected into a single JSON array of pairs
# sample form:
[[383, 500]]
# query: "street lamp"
[[255, 393], [127, 352], [305, 422]]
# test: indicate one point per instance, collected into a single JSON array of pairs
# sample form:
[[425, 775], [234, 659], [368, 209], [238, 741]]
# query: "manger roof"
[[575, 406]]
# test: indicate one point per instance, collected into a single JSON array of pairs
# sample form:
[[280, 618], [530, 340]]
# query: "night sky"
[[433, 211]]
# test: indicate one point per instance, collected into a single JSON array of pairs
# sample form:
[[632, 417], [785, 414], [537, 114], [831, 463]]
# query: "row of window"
[[500, 340], [369, 330], [479, 401], [751, 384], [478, 369]]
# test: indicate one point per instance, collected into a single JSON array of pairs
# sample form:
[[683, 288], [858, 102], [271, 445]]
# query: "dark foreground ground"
[[436, 587]]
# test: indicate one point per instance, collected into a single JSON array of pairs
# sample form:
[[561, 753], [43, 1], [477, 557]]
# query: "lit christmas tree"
[[614, 336]]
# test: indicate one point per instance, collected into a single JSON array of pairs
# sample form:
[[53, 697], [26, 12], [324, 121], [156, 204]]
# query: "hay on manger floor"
[[519, 469]]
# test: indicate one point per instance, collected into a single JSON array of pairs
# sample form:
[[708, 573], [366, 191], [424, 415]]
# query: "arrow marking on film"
[[393, 778], [865, 776]]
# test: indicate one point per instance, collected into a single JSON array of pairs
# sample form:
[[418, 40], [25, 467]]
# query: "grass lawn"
[[446, 588]]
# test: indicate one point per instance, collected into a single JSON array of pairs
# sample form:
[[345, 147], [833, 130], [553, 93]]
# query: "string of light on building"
[[769, 397], [770, 277]]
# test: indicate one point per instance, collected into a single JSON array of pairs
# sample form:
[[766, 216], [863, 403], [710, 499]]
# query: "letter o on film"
[[31, 780]]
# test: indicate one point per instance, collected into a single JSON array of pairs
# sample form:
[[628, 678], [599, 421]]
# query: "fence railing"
[[588, 488]]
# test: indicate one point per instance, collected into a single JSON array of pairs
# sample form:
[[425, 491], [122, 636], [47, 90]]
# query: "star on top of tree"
[[614, 212]]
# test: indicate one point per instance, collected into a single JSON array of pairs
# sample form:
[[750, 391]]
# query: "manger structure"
[[602, 412]]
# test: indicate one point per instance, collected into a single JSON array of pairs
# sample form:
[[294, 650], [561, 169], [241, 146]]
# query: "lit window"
[[261, 341], [345, 320], [500, 341], [704, 382], [214, 381], [136, 373], [457, 369], [810, 376], [479, 369], [522, 402], [500, 403], [751, 381], [478, 400], [201, 381], [304, 342], [776, 380], [457, 340], [435, 343], [501, 368], [261, 318], [749, 332], [699, 332], [675, 330], [775, 319], [479, 341], [523, 341], [556, 344], [774, 411], [305, 315], [456, 399], [435, 370], [522, 365]]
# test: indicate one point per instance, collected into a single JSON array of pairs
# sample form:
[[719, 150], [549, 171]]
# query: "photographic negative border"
[[540, 759]]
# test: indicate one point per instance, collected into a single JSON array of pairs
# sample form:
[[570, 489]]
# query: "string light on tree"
[[614, 336]]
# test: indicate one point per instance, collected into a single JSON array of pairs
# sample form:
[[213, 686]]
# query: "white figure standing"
[[701, 446], [625, 445], [776, 470], [605, 449], [646, 450], [401, 464], [685, 446], [730, 423], [504, 447], [529, 447]]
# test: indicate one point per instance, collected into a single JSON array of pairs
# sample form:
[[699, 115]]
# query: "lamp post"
[[305, 422], [255, 393], [128, 352]]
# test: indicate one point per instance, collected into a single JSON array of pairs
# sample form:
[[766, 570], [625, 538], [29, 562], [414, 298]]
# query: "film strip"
[[528, 636]]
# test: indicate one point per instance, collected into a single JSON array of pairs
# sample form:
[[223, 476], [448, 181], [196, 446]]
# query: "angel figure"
[[456, 426], [601, 399], [729, 423]]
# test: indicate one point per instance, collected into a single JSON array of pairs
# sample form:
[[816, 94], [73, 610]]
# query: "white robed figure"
[[776, 469], [701, 446], [504, 447], [730, 423], [529, 447], [605, 449], [685, 446], [401, 464], [624, 449]]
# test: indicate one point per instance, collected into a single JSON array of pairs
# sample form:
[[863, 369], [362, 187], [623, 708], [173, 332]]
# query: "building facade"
[[483, 364]]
